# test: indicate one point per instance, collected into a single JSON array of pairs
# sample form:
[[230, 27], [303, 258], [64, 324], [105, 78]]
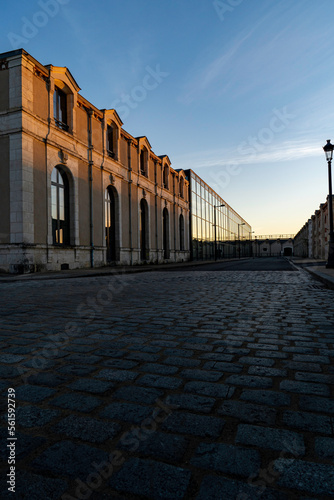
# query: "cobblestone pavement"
[[206, 386]]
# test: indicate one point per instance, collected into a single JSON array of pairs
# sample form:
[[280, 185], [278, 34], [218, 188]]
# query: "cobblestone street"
[[170, 385]]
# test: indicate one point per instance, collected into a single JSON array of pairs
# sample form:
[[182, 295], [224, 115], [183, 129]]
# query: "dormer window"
[[110, 141], [60, 109], [143, 162], [181, 187], [166, 177]]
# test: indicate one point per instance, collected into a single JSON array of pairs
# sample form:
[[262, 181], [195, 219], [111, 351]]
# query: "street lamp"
[[215, 224], [240, 224], [329, 156]]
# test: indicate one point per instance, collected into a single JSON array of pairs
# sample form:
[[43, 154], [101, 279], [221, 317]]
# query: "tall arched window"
[[144, 162], [110, 224], [181, 228], [181, 187], [166, 176], [143, 230], [60, 208], [165, 230]]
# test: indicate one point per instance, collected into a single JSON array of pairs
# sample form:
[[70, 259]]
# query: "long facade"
[[216, 230], [312, 239], [77, 190]]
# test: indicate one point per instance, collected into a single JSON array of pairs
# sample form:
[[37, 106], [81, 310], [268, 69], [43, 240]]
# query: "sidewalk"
[[317, 268], [104, 271]]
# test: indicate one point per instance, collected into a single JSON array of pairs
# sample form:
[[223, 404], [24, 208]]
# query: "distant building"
[[212, 221], [273, 245], [76, 189], [312, 239]]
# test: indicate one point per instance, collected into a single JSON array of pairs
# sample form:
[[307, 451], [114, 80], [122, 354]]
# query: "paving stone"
[[68, 459], [33, 393], [91, 385], [300, 475], [315, 377], [213, 487], [184, 353], [156, 445], [217, 356], [209, 389], [138, 394], [25, 444], [32, 416], [324, 447], [80, 370], [199, 374], [274, 439], [159, 368], [10, 358], [77, 402], [159, 381], [11, 371], [127, 412], [86, 429], [33, 486], [151, 479], [249, 381], [250, 360], [223, 367], [271, 398], [297, 365], [313, 403], [195, 425], [184, 362], [143, 356], [227, 459], [247, 412], [117, 375], [304, 387], [311, 358], [321, 424], [191, 402], [123, 364], [46, 378]]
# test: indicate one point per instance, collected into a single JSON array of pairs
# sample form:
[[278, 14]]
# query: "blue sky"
[[238, 90]]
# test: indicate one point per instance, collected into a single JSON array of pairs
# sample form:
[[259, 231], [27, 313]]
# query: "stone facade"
[[312, 239], [78, 190]]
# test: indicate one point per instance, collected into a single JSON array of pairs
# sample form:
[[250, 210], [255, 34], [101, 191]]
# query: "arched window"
[[110, 224], [60, 109], [111, 141], [143, 162], [165, 230], [181, 228], [181, 187], [143, 230], [60, 208], [166, 177]]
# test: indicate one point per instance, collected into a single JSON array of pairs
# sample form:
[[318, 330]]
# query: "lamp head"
[[328, 150]]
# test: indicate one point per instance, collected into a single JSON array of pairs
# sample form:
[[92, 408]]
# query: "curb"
[[324, 278]]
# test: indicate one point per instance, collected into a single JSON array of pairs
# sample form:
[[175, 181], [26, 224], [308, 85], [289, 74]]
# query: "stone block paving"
[[206, 386]]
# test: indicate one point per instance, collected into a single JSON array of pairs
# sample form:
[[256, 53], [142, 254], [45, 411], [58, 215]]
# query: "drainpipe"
[[174, 218], [130, 199], [46, 166], [90, 167]]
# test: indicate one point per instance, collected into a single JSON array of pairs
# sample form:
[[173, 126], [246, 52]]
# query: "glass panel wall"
[[215, 226]]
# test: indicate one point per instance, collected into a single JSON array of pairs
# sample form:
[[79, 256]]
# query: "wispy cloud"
[[285, 151]]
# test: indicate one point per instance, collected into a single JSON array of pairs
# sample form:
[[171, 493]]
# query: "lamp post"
[[239, 224], [215, 224], [329, 156]]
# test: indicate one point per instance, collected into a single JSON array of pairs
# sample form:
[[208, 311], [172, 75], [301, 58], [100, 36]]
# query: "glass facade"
[[216, 231]]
